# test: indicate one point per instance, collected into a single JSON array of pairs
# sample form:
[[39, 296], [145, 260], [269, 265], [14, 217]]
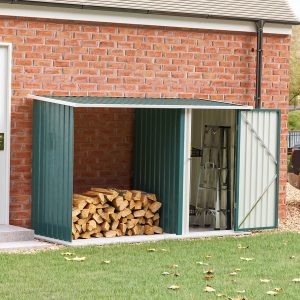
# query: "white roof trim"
[[125, 105], [90, 15]]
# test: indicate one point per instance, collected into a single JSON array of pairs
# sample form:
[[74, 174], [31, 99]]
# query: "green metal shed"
[[161, 167]]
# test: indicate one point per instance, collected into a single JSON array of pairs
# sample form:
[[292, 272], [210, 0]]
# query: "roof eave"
[[148, 12]]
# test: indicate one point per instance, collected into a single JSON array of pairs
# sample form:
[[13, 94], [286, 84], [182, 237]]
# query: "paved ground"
[[292, 222]]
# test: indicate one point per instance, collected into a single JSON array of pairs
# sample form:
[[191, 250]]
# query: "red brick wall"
[[64, 58], [103, 148]]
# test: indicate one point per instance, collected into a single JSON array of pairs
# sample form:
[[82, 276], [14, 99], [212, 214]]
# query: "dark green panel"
[[158, 168], [52, 170]]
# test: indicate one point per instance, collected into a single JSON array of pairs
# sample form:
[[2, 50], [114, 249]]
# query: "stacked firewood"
[[111, 212]]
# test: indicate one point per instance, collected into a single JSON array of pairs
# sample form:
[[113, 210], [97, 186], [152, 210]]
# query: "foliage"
[[238, 267], [294, 120], [294, 92]]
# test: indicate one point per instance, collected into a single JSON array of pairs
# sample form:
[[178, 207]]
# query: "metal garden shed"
[[164, 133]]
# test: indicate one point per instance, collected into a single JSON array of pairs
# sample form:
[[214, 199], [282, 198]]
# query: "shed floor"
[[144, 238]]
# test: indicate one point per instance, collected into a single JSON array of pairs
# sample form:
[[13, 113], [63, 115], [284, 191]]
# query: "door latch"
[[1, 141]]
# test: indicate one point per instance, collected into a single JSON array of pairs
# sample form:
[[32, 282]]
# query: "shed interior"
[[212, 170]]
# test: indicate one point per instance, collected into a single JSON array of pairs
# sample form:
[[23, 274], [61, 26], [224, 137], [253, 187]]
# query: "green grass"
[[135, 273]]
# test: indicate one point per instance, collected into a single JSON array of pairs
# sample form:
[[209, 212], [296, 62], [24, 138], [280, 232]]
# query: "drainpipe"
[[259, 53]]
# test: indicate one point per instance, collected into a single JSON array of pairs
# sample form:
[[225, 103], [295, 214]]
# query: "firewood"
[[103, 191], [155, 217], [109, 210], [119, 232], [91, 225], [84, 213], [149, 214], [131, 204], [152, 197], [75, 211], [115, 216], [79, 203], [78, 228], [123, 205], [101, 206], [130, 216], [83, 227], [97, 235], [156, 222], [73, 229], [77, 197], [149, 222], [82, 221], [105, 226], [117, 202], [157, 229], [155, 206], [97, 195], [136, 195], [149, 230], [128, 195], [110, 233], [132, 223], [122, 227], [139, 213], [85, 235], [145, 202], [114, 225], [138, 205], [104, 216], [137, 230], [97, 218], [123, 220], [91, 207], [142, 220], [124, 213], [75, 219], [129, 232], [76, 235]]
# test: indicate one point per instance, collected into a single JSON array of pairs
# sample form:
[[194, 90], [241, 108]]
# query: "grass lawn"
[[135, 273]]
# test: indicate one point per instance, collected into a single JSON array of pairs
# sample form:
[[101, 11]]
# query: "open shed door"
[[257, 175]]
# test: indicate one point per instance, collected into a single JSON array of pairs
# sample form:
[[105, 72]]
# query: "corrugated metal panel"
[[176, 103], [276, 10], [52, 170], [257, 169], [159, 145]]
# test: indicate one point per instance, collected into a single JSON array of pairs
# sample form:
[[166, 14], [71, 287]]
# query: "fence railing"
[[293, 138]]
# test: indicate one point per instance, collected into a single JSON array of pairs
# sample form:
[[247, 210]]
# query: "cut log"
[[139, 213], [117, 202], [144, 200], [82, 197], [104, 216], [131, 204], [83, 227], [128, 195], [97, 235], [132, 223], [149, 230], [85, 235], [123, 220], [155, 217], [149, 214], [84, 213], [109, 210], [110, 233], [138, 205], [157, 229], [155, 206], [136, 195], [105, 226], [129, 232], [152, 197], [115, 216], [76, 235], [122, 227], [123, 205], [78, 228], [156, 222], [82, 221], [75, 219], [137, 230], [130, 216], [149, 222], [75, 211], [73, 229], [79, 203], [124, 213], [97, 218], [91, 207], [119, 232], [91, 225], [114, 225], [142, 221]]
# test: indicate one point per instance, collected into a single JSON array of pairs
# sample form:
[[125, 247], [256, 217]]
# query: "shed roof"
[[120, 102], [277, 11]]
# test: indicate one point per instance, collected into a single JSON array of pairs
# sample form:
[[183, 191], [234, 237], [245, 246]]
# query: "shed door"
[[257, 169]]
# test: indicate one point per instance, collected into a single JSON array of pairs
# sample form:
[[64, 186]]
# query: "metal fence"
[[293, 138]]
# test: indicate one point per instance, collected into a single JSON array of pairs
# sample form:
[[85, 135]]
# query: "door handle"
[[1, 141]]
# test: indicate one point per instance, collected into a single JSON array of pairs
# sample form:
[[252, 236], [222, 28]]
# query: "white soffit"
[[91, 15]]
